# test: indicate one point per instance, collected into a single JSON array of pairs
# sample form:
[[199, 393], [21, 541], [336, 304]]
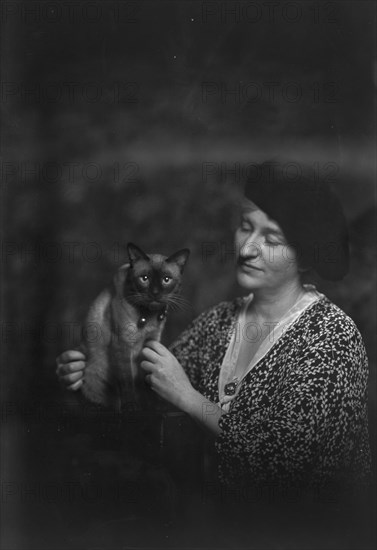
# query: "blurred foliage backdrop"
[[126, 123]]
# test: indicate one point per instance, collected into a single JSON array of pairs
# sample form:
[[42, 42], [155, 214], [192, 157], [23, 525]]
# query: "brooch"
[[230, 388]]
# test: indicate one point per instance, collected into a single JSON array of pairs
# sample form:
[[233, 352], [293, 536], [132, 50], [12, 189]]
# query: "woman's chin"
[[247, 281]]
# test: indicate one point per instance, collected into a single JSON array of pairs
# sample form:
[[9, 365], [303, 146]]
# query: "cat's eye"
[[144, 278], [166, 279]]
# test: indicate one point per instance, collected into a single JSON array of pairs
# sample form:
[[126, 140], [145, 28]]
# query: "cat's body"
[[119, 322]]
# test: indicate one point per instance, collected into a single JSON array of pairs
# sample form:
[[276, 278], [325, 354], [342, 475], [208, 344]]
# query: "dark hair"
[[310, 216]]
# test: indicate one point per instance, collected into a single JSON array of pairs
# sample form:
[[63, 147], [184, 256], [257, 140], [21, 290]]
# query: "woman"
[[279, 378]]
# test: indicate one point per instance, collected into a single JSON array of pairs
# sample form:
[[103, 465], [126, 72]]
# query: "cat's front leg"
[[96, 387], [154, 334]]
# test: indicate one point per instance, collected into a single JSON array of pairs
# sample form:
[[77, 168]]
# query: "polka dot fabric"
[[301, 413]]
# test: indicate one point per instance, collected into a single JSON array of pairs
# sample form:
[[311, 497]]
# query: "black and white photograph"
[[188, 259]]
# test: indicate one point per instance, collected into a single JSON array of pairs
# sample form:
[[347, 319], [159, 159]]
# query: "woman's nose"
[[250, 249]]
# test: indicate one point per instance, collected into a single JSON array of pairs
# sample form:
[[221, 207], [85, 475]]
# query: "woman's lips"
[[248, 265]]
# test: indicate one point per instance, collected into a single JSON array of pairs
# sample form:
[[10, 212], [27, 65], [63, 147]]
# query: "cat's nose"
[[155, 291]]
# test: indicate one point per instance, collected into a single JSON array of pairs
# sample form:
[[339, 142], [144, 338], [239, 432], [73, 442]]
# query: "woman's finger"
[[147, 366], [77, 385], [70, 355], [71, 378], [150, 354], [68, 368], [155, 346]]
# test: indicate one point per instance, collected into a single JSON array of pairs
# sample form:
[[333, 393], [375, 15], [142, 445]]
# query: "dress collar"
[[228, 385]]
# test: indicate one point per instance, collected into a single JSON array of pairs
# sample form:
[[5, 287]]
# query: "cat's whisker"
[[179, 298], [135, 297], [183, 303], [172, 306], [179, 303], [174, 302]]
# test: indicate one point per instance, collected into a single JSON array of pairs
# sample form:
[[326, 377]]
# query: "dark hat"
[[310, 216]]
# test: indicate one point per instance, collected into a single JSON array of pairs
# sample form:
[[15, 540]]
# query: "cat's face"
[[153, 279]]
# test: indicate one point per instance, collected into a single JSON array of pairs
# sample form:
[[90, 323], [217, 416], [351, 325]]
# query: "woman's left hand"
[[165, 375]]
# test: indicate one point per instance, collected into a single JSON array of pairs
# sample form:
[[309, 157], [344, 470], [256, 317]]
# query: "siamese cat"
[[119, 322]]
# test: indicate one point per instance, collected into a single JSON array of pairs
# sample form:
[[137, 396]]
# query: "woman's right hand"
[[70, 369]]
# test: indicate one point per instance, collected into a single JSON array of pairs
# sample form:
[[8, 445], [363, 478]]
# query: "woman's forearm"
[[167, 378], [203, 411]]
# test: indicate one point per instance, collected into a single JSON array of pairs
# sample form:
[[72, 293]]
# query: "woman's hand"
[[70, 369], [165, 375]]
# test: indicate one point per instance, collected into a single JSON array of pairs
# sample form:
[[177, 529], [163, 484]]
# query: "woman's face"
[[264, 259]]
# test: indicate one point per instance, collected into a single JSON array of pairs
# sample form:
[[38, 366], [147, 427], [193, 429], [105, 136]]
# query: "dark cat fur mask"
[[126, 314]]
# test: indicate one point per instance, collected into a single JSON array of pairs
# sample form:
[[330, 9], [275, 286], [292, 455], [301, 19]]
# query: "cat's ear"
[[180, 258], [135, 253]]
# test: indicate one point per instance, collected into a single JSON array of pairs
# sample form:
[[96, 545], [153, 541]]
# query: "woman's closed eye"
[[274, 238], [246, 226], [273, 242]]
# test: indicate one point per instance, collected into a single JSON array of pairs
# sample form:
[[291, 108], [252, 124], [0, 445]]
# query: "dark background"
[[139, 121]]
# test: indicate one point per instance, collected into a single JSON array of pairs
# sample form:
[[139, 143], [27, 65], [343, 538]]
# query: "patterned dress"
[[300, 414]]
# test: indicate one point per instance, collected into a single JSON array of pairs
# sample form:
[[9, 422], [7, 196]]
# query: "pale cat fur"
[[114, 329]]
